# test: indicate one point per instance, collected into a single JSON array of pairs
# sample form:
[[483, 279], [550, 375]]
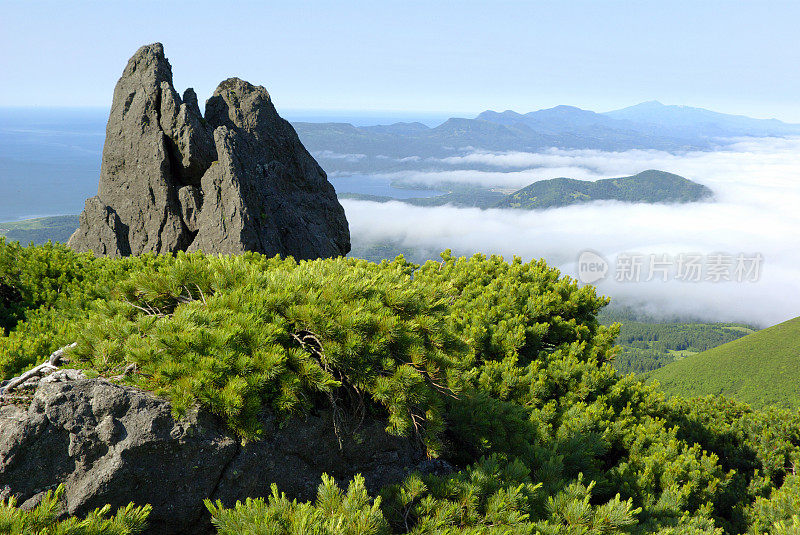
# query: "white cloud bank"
[[518, 169], [756, 210], [330, 155]]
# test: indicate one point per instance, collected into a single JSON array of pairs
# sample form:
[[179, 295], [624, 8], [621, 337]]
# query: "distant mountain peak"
[[490, 115], [564, 107], [651, 104], [562, 110], [701, 123]]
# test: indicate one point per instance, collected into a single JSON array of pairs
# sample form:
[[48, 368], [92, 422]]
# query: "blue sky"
[[461, 57]]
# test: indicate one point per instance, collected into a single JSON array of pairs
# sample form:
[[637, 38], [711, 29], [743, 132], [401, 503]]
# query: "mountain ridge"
[[701, 121], [645, 126]]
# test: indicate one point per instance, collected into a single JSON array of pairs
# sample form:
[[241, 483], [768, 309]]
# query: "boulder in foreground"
[[115, 444]]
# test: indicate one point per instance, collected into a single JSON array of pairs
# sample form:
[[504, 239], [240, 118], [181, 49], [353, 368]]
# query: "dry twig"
[[42, 369]]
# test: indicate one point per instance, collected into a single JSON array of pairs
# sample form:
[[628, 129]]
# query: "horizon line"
[[408, 112]]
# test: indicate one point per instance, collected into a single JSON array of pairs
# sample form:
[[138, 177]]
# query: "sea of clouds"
[[756, 209]]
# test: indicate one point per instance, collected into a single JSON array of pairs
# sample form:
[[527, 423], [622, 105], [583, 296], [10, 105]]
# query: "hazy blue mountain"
[[344, 138], [650, 186], [558, 120], [701, 122], [571, 127], [411, 146], [508, 117], [402, 129], [564, 127], [460, 133]]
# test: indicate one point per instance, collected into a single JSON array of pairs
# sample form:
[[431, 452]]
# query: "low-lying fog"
[[756, 209]]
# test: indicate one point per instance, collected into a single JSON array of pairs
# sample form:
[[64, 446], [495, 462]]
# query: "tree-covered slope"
[[40, 230], [648, 187], [759, 369], [644, 347], [499, 368]]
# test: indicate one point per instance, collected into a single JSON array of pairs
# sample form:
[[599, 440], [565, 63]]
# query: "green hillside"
[[761, 368], [643, 347], [40, 230], [648, 186]]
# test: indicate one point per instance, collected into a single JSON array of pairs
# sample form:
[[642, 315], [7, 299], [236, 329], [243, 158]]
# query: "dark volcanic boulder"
[[235, 180], [112, 444]]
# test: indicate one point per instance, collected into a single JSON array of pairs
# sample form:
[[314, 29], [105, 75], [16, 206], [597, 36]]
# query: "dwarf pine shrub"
[[43, 519], [333, 513], [500, 368], [237, 333]]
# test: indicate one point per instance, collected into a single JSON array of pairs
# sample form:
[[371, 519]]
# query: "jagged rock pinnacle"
[[236, 180]]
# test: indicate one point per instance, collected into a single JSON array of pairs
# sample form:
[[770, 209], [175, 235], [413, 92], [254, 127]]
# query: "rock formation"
[[114, 444], [235, 180]]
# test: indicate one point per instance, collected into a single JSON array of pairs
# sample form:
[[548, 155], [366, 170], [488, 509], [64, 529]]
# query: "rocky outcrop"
[[235, 180], [112, 444]]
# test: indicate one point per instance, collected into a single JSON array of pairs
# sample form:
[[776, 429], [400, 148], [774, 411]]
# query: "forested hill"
[[40, 230], [646, 346], [760, 369], [648, 186]]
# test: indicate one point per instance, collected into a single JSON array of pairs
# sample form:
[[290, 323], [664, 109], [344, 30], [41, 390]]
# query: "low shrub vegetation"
[[500, 368], [44, 519]]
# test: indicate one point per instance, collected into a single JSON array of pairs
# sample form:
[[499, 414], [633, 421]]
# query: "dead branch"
[[202, 296], [42, 369], [149, 311], [58, 354], [129, 369], [429, 378]]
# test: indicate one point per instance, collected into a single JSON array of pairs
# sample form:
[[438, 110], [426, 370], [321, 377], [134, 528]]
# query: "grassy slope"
[[760, 369]]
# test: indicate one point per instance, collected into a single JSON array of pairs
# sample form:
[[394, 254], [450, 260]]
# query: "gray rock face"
[[235, 180], [112, 444]]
